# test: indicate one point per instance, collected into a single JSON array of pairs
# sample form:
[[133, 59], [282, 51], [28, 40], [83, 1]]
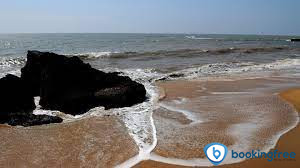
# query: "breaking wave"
[[11, 66], [93, 55], [12, 61], [182, 52], [198, 38], [233, 68]]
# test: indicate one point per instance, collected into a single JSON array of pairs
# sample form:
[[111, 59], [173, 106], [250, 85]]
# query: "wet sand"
[[90, 142], [221, 103]]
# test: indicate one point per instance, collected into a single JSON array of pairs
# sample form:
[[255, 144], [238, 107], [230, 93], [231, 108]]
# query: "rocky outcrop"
[[63, 83], [69, 85], [17, 104]]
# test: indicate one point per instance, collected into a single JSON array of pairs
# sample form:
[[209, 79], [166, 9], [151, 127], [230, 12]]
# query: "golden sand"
[[91, 142]]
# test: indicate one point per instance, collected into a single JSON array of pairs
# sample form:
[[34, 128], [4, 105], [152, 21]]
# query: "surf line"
[[142, 155], [150, 155]]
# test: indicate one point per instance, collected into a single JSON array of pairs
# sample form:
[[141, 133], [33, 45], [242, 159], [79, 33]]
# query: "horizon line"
[[149, 33]]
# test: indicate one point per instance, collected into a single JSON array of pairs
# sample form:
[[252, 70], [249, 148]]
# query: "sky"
[[277, 17]]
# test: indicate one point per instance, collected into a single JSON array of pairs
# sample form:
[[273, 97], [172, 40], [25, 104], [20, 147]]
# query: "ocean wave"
[[12, 61], [13, 72], [210, 70], [11, 66], [232, 68], [199, 38], [93, 55], [182, 52]]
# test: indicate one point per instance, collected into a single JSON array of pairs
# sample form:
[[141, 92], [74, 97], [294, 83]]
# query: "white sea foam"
[[138, 119], [13, 72], [102, 54], [40, 111], [237, 68], [12, 61], [8, 66], [198, 38]]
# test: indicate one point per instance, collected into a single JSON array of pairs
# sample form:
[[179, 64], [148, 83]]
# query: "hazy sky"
[[151, 16]]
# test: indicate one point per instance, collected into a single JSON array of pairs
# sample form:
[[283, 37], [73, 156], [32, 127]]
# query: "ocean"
[[160, 52], [207, 79]]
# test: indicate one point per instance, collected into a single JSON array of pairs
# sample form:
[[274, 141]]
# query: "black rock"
[[31, 120], [69, 85], [31, 73], [176, 75], [17, 104], [14, 97], [294, 39]]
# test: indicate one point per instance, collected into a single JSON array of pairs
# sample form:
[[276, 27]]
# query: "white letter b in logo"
[[215, 152]]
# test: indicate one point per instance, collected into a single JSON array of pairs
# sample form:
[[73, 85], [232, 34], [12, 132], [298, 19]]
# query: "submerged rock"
[[17, 104], [69, 85]]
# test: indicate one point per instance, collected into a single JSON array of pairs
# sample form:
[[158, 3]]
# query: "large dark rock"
[[17, 104], [69, 85]]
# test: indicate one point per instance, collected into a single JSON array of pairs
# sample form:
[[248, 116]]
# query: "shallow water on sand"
[[242, 114]]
